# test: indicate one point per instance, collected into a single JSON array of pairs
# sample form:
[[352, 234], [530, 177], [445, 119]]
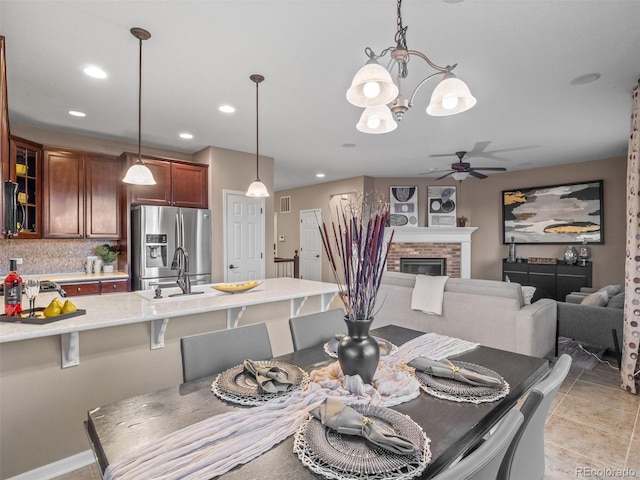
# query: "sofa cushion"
[[617, 301], [597, 299], [490, 288], [612, 290]]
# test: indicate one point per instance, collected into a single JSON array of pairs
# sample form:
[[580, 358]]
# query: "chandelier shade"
[[372, 86], [139, 173], [450, 96], [257, 189], [376, 120]]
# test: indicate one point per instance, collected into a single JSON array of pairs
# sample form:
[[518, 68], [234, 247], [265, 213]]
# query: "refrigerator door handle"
[[181, 230]]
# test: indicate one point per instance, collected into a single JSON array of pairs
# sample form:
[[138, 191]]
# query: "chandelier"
[[374, 89]]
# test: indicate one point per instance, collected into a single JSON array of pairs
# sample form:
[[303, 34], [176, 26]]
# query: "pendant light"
[[139, 173], [257, 188]]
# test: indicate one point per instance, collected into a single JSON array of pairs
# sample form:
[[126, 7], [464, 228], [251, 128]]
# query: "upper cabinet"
[[25, 169], [178, 184], [81, 197]]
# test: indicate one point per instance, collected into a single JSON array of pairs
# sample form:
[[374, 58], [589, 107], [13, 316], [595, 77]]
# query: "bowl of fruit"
[[236, 287]]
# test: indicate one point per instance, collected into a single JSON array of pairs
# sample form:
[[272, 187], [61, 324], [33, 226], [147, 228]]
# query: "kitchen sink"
[[174, 293]]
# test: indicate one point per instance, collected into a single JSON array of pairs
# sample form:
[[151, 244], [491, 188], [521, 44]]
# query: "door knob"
[[317, 256], [231, 266]]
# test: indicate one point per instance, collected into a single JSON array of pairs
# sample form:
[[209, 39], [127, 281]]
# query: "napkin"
[[345, 420], [270, 379], [384, 348], [446, 369]]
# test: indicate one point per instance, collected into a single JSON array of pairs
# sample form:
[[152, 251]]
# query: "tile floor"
[[593, 430]]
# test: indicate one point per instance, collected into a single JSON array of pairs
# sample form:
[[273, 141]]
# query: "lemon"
[[69, 307]]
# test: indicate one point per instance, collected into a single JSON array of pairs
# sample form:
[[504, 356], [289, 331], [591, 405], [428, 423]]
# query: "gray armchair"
[[598, 325]]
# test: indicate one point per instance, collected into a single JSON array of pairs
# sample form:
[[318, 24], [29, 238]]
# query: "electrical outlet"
[[18, 260]]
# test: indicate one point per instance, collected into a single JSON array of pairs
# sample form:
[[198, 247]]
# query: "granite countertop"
[[133, 307]]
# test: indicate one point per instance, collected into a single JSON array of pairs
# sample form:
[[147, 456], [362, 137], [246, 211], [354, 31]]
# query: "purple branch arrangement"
[[355, 245]]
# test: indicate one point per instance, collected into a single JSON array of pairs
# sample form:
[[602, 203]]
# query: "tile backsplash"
[[44, 256]]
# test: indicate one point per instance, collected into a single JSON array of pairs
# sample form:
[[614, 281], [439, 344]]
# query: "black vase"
[[358, 353]]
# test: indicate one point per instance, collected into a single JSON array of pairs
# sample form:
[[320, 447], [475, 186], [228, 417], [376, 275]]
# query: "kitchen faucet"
[[181, 263]]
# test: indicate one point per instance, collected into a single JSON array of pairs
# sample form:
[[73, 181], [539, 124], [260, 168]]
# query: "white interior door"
[[310, 244], [244, 237]]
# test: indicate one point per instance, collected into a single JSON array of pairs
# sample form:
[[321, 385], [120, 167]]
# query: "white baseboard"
[[58, 468]]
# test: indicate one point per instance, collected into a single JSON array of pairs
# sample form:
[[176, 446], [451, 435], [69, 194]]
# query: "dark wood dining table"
[[118, 428]]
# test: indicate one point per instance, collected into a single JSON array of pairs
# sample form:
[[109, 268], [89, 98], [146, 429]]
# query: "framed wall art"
[[568, 213], [403, 206], [442, 206]]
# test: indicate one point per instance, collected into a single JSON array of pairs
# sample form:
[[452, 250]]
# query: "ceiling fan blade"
[[476, 174], [494, 169], [443, 155], [445, 176]]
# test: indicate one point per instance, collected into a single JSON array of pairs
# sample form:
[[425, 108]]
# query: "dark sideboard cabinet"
[[551, 281]]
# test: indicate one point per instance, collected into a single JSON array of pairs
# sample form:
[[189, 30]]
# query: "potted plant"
[[357, 253], [108, 254]]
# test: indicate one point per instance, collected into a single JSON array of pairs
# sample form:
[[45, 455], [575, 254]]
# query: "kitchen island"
[[124, 345]]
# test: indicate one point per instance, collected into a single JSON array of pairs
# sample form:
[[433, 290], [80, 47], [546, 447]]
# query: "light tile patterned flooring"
[[593, 430]]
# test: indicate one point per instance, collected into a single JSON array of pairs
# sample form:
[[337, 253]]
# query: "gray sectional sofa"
[[592, 323], [489, 312]]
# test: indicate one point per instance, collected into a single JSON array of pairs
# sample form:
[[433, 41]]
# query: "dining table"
[[452, 427]]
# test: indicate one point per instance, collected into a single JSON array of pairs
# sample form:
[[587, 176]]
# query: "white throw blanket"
[[428, 294], [217, 444]]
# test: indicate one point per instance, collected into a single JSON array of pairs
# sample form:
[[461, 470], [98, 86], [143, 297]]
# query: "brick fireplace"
[[453, 244]]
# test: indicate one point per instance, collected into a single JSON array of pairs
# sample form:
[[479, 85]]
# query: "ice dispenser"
[[156, 250]]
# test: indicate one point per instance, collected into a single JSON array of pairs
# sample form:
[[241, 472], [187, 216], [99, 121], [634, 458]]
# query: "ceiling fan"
[[461, 170]]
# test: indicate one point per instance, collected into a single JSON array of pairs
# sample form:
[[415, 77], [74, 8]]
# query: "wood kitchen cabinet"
[[94, 288], [25, 169], [179, 184], [81, 195]]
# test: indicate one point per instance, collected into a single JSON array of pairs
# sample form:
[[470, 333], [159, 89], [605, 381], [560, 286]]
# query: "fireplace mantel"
[[461, 235]]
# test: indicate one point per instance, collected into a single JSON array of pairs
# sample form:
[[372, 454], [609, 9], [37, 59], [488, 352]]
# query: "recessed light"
[[95, 72], [226, 108], [584, 79], [186, 136], [76, 113], [320, 175], [348, 145]]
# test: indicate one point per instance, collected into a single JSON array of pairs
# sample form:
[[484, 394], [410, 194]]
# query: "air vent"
[[285, 204]]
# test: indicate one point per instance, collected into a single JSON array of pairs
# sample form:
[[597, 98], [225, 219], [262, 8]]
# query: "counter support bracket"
[[296, 305], [233, 316], [158, 327], [326, 300], [70, 343]]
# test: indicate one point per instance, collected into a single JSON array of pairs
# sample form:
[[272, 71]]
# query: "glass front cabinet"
[[26, 171]]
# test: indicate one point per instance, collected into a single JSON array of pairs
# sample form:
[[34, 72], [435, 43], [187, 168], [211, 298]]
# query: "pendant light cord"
[[140, 102], [257, 135]]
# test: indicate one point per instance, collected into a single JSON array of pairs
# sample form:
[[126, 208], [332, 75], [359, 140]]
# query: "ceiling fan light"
[[139, 174], [372, 86], [376, 120], [257, 189], [460, 176], [450, 96]]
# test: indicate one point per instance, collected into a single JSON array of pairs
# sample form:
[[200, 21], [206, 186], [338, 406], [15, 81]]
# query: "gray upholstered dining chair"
[[524, 459], [484, 462], [317, 328], [213, 352]]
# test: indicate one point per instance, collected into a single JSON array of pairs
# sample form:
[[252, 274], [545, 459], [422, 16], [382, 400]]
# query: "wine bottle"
[[12, 291]]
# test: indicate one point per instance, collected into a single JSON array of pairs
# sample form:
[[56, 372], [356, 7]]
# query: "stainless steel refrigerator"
[[156, 234]]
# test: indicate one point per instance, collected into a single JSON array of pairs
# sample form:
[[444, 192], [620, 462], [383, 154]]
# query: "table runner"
[[214, 446]]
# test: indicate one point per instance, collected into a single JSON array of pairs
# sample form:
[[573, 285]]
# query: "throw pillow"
[[617, 301], [597, 299], [527, 294], [612, 290]]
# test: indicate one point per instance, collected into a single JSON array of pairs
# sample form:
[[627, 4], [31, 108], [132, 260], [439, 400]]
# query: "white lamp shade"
[[139, 174], [257, 189], [450, 96], [460, 176], [372, 85], [376, 120]]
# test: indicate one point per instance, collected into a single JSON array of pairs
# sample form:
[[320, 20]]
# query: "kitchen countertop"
[[126, 308], [79, 277]]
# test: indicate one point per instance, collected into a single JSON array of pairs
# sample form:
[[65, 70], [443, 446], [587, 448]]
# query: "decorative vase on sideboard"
[[359, 353]]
